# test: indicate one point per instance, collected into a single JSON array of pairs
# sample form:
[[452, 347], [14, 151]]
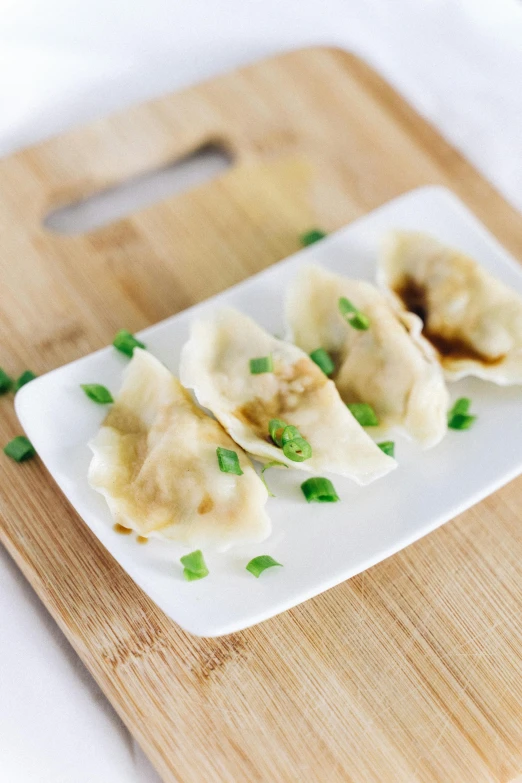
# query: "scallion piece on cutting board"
[[20, 449]]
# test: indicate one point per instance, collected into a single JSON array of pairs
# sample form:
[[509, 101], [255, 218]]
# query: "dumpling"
[[155, 462], [389, 365], [473, 320], [215, 363]]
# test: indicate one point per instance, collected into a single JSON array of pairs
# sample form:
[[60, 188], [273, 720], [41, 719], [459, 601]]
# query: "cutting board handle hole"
[[107, 206]]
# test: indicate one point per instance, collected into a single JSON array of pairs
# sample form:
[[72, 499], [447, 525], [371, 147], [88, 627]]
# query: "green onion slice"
[[97, 393], [20, 449], [323, 360], [125, 342], [24, 378], [458, 417], [6, 383], [261, 365], [260, 564], [462, 405], [314, 235], [363, 413], [275, 429], [273, 464], [228, 461], [319, 490], [388, 446], [298, 450], [352, 315], [290, 433], [194, 566]]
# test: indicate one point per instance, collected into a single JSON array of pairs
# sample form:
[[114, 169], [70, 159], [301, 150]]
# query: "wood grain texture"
[[407, 673]]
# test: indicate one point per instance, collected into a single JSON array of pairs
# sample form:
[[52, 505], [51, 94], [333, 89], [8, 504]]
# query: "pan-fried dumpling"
[[473, 320], [215, 363], [389, 365], [155, 462]]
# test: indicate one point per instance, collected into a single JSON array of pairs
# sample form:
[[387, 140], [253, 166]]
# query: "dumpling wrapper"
[[155, 463], [215, 363], [389, 366], [473, 320]]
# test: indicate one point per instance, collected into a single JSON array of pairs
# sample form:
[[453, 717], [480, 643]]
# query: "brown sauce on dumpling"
[[298, 382], [206, 505], [415, 299]]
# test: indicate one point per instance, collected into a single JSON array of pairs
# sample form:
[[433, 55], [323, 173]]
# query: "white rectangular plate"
[[318, 545]]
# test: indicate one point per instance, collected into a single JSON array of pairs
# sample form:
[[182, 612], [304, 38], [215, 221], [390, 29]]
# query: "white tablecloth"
[[459, 62]]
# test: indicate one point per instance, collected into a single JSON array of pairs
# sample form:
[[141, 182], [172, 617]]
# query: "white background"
[[459, 62]]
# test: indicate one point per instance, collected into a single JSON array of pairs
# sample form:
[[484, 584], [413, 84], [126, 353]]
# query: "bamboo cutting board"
[[409, 672]]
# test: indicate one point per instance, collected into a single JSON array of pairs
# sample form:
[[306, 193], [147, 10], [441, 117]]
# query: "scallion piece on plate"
[[194, 566], [388, 446], [97, 393], [298, 450], [126, 342], [261, 365], [259, 564], [20, 449], [363, 413], [323, 360], [24, 378], [273, 464], [458, 417], [314, 235], [228, 461], [352, 315], [276, 428], [319, 490], [6, 383]]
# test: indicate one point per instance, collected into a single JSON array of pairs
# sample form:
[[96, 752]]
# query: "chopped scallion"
[[259, 564], [6, 383], [273, 464], [24, 378], [194, 566], [461, 406], [261, 365], [298, 450], [20, 449], [290, 433], [319, 490], [352, 315], [97, 393], [363, 413], [323, 360], [458, 417], [228, 461], [275, 429], [125, 342], [388, 446], [314, 235]]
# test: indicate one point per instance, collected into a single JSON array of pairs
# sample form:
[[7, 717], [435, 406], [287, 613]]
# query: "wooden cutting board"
[[409, 672]]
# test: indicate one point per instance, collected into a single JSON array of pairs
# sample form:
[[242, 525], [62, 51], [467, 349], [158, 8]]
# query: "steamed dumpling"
[[155, 462], [215, 363], [389, 366], [473, 320]]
